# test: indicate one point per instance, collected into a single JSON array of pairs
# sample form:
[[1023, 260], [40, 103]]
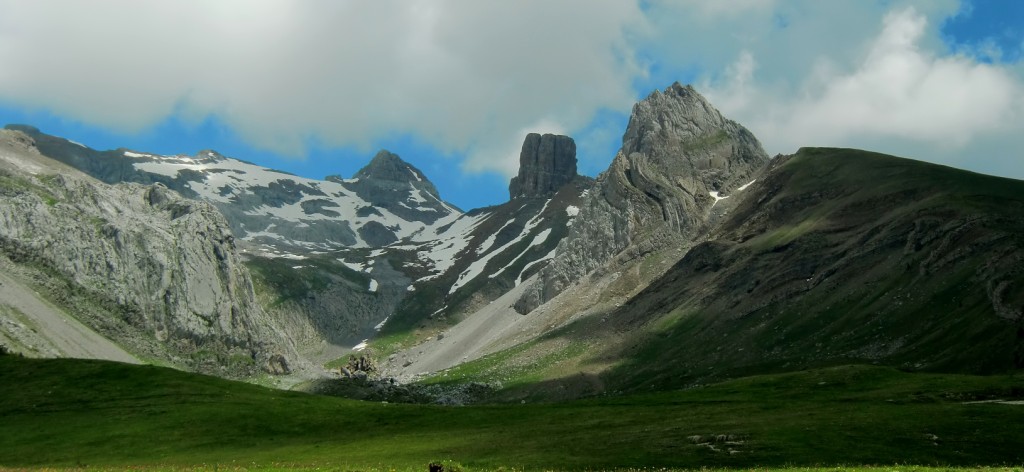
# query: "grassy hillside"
[[843, 256], [834, 256], [68, 413]]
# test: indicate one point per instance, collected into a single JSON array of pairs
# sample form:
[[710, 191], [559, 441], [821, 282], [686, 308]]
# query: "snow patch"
[[547, 257], [539, 239], [536, 219], [447, 244], [572, 211], [284, 255], [716, 197], [362, 345], [494, 236], [135, 154], [373, 285], [478, 266], [356, 266], [744, 186], [381, 324]]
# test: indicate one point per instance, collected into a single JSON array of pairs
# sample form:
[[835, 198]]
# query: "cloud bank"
[[899, 97], [470, 78], [461, 75]]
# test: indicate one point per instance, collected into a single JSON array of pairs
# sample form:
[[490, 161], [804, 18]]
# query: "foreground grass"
[[99, 415], [294, 467]]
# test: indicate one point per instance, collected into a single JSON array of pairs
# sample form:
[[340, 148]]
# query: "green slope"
[[68, 413], [842, 256], [834, 256]]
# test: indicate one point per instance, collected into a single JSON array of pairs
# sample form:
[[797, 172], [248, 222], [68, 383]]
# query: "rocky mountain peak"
[[679, 156], [388, 168], [546, 163], [387, 165], [678, 115]]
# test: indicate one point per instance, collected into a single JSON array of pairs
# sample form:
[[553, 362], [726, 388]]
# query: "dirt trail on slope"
[[31, 319]]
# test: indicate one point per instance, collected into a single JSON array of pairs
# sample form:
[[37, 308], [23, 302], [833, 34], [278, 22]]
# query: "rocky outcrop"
[[166, 266], [678, 152], [546, 163]]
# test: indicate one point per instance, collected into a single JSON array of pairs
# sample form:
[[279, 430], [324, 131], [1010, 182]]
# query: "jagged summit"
[[680, 124], [679, 157], [546, 163], [387, 165], [388, 170]]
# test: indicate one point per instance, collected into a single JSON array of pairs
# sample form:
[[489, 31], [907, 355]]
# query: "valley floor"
[[282, 467], [94, 415]]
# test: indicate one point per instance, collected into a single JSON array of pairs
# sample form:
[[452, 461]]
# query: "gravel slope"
[[28, 320], [472, 338]]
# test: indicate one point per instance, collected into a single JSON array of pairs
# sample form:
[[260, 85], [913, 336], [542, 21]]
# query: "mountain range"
[[694, 257]]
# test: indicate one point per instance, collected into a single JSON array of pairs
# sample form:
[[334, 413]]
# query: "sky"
[[316, 87]]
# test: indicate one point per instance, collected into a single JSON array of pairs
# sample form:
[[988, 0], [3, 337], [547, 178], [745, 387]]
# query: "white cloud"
[[471, 77], [458, 74], [899, 97]]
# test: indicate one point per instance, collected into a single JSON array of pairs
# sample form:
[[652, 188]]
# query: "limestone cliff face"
[[167, 265], [678, 152], [546, 163]]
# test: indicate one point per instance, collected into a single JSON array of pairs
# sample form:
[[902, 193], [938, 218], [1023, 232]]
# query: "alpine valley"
[[694, 259]]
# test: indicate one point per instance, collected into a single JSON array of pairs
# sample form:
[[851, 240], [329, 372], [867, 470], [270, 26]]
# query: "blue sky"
[[316, 87]]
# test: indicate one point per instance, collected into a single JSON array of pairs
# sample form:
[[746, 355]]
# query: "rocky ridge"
[[165, 267], [692, 257], [679, 158], [387, 201], [336, 261]]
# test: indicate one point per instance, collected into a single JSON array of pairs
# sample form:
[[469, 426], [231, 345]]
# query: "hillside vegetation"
[[833, 256], [96, 414]]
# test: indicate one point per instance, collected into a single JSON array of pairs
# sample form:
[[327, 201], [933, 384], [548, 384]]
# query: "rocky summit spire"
[[680, 124], [678, 155], [546, 163]]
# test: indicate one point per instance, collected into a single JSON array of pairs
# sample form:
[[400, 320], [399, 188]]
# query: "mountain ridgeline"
[[678, 153], [693, 257], [156, 273]]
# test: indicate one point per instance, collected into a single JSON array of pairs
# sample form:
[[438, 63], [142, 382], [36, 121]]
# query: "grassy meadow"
[[94, 415]]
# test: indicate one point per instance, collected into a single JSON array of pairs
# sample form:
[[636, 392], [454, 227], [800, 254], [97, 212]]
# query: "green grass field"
[[100, 415]]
